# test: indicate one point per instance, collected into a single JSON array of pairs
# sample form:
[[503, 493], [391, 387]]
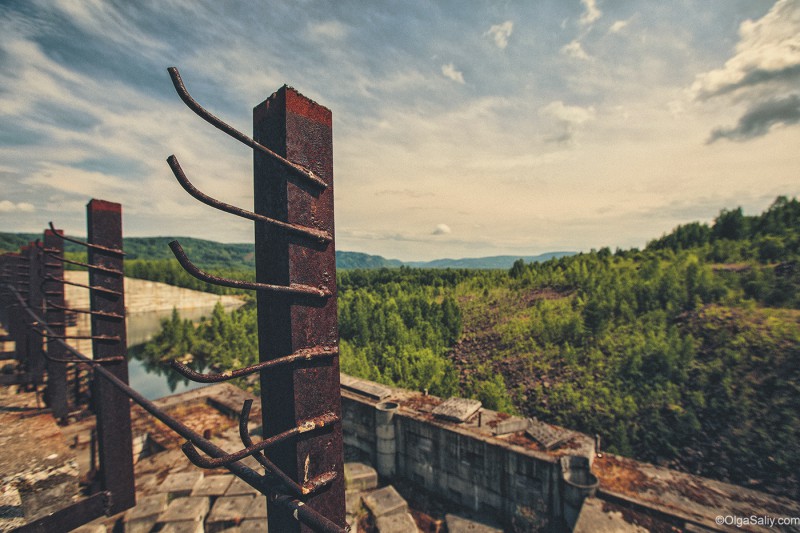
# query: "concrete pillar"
[[578, 483], [386, 442]]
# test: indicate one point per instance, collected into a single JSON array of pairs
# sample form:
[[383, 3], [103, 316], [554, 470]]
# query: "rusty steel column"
[[56, 391], [36, 361], [301, 131], [107, 297], [20, 321]]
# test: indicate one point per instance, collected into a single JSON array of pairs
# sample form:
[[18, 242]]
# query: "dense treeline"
[[685, 353]]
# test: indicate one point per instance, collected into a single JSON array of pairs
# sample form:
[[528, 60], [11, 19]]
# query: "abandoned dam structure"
[[318, 451]]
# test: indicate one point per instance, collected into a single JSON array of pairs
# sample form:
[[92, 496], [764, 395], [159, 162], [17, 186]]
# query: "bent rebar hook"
[[304, 426], [306, 354], [294, 288], [298, 170], [320, 236]]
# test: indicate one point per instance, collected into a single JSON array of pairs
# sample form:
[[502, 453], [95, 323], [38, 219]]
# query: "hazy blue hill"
[[493, 262], [240, 256]]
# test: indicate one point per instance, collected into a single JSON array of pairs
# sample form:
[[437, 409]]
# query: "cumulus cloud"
[[7, 206], [763, 73], [566, 119], [449, 70], [442, 229], [575, 50], [759, 119], [500, 33], [590, 12], [768, 52]]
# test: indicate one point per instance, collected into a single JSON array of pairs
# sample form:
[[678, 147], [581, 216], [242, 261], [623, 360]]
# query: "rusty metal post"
[[20, 322], [300, 130], [56, 391], [36, 361], [115, 447]]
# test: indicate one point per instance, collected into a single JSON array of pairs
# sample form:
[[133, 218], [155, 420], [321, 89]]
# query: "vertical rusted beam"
[[36, 303], [56, 392], [300, 130], [112, 408], [20, 322]]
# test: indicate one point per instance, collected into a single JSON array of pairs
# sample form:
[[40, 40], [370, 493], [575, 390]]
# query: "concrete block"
[[457, 409], [257, 509], [254, 526], [144, 515], [352, 500], [191, 509], [180, 484], [459, 524], [510, 425], [359, 476], [183, 527], [228, 511], [213, 485], [240, 488], [91, 528], [385, 502], [398, 523]]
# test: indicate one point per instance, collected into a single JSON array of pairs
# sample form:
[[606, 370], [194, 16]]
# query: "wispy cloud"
[[449, 71], [330, 29], [500, 33], [591, 12], [575, 50], [7, 206], [619, 25]]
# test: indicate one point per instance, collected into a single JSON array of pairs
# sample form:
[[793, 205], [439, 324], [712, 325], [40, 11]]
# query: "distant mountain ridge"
[[212, 254]]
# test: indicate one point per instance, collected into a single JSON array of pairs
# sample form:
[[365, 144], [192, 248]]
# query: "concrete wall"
[[519, 486]]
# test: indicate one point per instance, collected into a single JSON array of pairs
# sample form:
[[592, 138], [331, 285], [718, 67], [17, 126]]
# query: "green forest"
[[685, 353]]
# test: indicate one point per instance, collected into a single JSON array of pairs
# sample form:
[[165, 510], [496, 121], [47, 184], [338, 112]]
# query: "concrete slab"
[[547, 435], [183, 527], [457, 409], [91, 528], [181, 484], [398, 523], [257, 509], [510, 425], [240, 488], [228, 511], [213, 485], [364, 387], [253, 526], [191, 509], [592, 519], [459, 524], [360, 476], [144, 515], [385, 501]]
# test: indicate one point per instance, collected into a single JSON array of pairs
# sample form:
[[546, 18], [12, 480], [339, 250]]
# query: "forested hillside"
[[685, 353]]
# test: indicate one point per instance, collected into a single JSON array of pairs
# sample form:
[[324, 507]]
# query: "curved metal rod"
[[103, 338], [103, 314], [311, 233], [304, 427], [307, 488], [300, 355], [87, 265], [305, 290], [192, 104], [91, 288], [86, 244]]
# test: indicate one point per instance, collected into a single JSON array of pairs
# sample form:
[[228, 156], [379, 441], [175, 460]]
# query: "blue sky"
[[461, 129]]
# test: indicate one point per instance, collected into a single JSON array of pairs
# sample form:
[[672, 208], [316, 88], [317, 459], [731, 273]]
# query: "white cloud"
[[449, 70], [591, 12], [568, 113], [767, 55], [442, 229], [331, 29], [619, 25], [575, 50], [500, 33], [7, 206]]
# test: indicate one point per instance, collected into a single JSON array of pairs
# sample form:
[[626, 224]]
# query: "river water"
[[156, 380]]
